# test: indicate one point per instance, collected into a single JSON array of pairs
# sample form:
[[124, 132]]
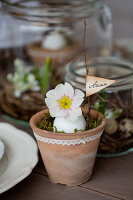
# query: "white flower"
[[20, 67], [18, 64], [17, 93], [32, 83], [10, 77], [31, 78], [63, 101]]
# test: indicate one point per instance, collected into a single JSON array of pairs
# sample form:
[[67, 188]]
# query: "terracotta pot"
[[68, 157], [63, 55]]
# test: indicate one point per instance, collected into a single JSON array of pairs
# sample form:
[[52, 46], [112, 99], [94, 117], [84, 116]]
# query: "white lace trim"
[[68, 142]]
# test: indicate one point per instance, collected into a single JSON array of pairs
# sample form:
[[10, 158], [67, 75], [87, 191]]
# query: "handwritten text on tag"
[[95, 84]]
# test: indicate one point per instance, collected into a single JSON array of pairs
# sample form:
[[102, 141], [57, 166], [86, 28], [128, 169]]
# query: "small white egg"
[[68, 126], [54, 41], [1, 149]]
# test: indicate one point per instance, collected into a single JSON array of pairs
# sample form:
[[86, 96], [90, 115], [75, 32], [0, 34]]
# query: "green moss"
[[47, 124], [76, 130], [93, 123], [58, 131]]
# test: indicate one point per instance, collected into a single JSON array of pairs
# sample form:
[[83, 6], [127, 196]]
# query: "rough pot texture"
[[68, 157]]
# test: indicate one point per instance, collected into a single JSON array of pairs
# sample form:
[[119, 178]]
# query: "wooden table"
[[112, 179]]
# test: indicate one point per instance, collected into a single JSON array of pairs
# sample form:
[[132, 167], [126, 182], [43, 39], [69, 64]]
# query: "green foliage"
[[102, 102], [93, 123], [76, 130], [47, 124], [58, 131], [36, 74], [45, 76], [116, 113]]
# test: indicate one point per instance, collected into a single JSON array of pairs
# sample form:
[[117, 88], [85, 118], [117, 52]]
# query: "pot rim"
[[48, 134], [75, 46]]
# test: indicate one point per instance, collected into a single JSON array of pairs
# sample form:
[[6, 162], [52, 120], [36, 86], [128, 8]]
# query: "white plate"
[[20, 157], [2, 149]]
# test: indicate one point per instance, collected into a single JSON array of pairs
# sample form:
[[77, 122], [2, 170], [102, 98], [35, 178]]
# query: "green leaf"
[[102, 103], [25, 78], [36, 73], [46, 74]]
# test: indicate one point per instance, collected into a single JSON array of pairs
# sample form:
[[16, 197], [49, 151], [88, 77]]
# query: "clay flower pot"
[[39, 54], [68, 157]]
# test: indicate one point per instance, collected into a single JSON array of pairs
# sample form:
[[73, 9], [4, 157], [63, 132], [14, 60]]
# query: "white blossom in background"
[[33, 83], [20, 67], [23, 79]]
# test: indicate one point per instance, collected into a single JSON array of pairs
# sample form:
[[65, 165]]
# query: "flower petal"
[[78, 94], [59, 91], [69, 91], [51, 103], [51, 94], [76, 103], [74, 114], [56, 112]]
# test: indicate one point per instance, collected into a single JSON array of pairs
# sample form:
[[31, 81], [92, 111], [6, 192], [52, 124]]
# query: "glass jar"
[[115, 101], [33, 31], [39, 19]]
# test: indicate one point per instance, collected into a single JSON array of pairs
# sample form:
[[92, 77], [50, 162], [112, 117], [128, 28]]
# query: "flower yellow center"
[[65, 103]]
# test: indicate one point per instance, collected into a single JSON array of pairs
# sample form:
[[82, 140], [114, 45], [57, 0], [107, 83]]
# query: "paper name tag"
[[95, 84]]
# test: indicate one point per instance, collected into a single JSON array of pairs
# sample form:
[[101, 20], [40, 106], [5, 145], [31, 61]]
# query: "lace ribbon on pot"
[[68, 142]]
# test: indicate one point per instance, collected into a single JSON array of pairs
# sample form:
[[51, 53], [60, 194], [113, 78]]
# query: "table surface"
[[112, 179]]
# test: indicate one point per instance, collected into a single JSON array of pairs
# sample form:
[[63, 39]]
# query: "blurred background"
[[41, 45], [122, 17]]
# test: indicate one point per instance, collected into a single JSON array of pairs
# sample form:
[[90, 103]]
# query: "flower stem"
[[87, 70]]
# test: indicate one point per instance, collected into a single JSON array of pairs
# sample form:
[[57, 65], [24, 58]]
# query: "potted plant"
[[68, 135], [56, 45], [67, 138]]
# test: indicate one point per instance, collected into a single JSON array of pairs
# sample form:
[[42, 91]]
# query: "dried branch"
[[87, 71]]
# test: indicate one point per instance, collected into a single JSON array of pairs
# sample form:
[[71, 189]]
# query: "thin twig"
[[87, 71]]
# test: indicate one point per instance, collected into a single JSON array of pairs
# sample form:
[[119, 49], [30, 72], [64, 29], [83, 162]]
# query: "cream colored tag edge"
[[95, 83]]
